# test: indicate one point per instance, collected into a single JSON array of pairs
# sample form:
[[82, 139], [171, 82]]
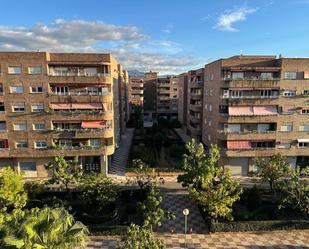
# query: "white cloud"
[[230, 17], [131, 47]]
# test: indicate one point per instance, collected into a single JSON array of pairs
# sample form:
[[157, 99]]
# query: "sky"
[[167, 36]]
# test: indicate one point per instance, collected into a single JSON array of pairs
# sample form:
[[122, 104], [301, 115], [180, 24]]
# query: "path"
[[121, 155]]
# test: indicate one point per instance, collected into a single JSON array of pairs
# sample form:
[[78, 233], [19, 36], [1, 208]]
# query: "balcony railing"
[[250, 97], [82, 93], [246, 132], [84, 74], [249, 78], [84, 129]]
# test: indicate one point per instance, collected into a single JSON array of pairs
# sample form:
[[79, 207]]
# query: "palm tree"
[[49, 229]]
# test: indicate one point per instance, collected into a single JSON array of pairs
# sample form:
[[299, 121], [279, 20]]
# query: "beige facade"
[[59, 104], [256, 106], [194, 103], [136, 92]]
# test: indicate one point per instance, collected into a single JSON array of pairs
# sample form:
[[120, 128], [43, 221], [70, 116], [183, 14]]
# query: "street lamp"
[[186, 213]]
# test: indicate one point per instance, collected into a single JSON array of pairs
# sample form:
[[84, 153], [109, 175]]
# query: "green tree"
[[13, 197], [196, 163], [217, 194], [272, 169], [65, 172], [140, 238], [98, 190], [48, 229], [214, 190], [296, 190], [153, 212]]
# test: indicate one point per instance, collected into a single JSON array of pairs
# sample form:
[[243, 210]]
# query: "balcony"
[[134, 84], [225, 118], [4, 152], [83, 133], [137, 91], [80, 97], [247, 135], [254, 152], [196, 107], [73, 115], [251, 83]]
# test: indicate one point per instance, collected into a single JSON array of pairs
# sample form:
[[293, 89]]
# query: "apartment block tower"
[[256, 106], [59, 104], [167, 97], [150, 95], [194, 103], [136, 92], [182, 98]]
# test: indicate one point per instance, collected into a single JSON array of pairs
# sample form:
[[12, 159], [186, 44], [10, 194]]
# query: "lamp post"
[[186, 213]]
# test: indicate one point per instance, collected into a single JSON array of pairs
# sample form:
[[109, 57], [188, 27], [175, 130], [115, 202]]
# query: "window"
[[91, 71], [303, 145], [306, 92], [210, 92], [210, 108], [2, 109], [304, 128], [236, 94], [66, 143], [36, 89], [206, 106], [17, 89], [305, 111], [34, 70], [37, 108], [61, 90], [22, 126], [223, 109], [266, 93], [39, 126], [14, 70], [2, 126], [231, 128], [266, 76], [225, 94], [21, 144], [288, 93], [209, 123], [290, 75], [95, 143], [286, 128], [239, 75], [209, 138], [18, 107], [31, 166], [284, 145], [40, 144]]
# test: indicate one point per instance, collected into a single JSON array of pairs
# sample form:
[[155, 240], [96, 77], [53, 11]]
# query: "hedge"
[[101, 230], [269, 225]]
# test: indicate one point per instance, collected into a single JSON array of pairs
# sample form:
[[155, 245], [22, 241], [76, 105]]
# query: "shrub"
[[254, 198]]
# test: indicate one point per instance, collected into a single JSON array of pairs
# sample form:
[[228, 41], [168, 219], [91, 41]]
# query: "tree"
[[296, 190], [217, 194], [143, 177], [65, 172], [13, 197], [153, 212], [272, 169], [99, 190], [48, 229], [214, 190], [196, 163], [140, 238]]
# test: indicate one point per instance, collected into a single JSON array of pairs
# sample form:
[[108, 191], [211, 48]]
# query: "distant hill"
[[136, 73]]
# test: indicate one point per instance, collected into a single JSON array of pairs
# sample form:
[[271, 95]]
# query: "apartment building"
[[136, 92], [150, 95], [194, 103], [182, 98], [167, 97], [58, 104], [256, 106]]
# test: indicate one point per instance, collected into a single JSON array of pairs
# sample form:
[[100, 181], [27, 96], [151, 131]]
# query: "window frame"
[[35, 73], [15, 105], [21, 124], [40, 142], [15, 73], [37, 110], [25, 142], [16, 92], [36, 87]]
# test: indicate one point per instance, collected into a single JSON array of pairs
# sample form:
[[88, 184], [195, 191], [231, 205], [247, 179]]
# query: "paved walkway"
[[121, 155], [182, 133]]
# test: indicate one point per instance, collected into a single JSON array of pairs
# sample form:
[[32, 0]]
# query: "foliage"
[[217, 197], [254, 198], [143, 177], [196, 164], [98, 190], [140, 238], [13, 197], [49, 229], [34, 189], [213, 190], [296, 191], [65, 172], [136, 119], [272, 169], [269, 225], [152, 209]]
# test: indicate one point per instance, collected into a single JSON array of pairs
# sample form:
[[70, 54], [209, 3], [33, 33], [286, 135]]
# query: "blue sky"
[[168, 36]]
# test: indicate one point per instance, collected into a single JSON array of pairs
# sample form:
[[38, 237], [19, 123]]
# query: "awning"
[[241, 88], [239, 144], [94, 124], [288, 109], [265, 110], [303, 140], [306, 75], [78, 106], [240, 111], [67, 121]]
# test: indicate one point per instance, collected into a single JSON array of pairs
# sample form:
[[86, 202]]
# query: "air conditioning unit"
[[225, 94]]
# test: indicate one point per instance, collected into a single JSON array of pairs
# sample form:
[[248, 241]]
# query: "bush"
[[101, 230], [243, 226], [254, 198]]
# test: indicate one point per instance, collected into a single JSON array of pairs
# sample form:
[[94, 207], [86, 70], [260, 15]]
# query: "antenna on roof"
[[280, 56], [38, 50], [241, 52]]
